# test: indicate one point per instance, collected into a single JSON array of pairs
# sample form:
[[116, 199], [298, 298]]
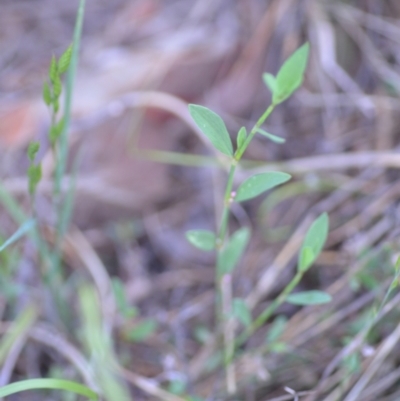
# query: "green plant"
[[231, 312], [28, 226], [229, 249]]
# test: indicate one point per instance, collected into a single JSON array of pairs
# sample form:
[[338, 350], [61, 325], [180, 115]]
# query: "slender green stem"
[[229, 333], [257, 125], [62, 148], [222, 234], [62, 162], [223, 287], [266, 314], [227, 202]]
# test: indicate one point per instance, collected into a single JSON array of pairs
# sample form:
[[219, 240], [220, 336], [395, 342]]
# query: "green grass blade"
[[50, 384], [99, 346], [176, 158], [22, 323], [313, 297], [24, 229], [61, 166], [19, 216]]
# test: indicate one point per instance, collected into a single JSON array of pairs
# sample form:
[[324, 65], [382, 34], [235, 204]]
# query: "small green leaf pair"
[[212, 125], [231, 251], [52, 89], [288, 80], [289, 77]]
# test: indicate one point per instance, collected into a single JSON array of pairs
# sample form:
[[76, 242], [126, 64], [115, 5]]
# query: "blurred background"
[[145, 175]]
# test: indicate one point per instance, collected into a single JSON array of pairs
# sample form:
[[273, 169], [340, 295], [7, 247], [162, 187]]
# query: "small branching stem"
[[267, 313], [224, 283]]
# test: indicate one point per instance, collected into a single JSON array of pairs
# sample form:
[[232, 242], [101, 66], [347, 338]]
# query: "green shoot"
[[229, 251]]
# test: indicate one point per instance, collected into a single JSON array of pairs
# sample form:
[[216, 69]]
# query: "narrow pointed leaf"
[[313, 242], [64, 61], [230, 254], [143, 330], [54, 384], [212, 125], [56, 130], [309, 298], [123, 305], [23, 230], [53, 69], [259, 183], [273, 138], [242, 312], [291, 74], [306, 258], [46, 94], [57, 87], [201, 239], [241, 137], [33, 149], [276, 329], [34, 177], [270, 82]]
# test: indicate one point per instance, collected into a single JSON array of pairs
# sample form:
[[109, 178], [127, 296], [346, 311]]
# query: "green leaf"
[[278, 347], [273, 138], [242, 312], [34, 177], [64, 60], [124, 308], [241, 137], [54, 384], [202, 334], [309, 298], [232, 251], [276, 329], [56, 130], [21, 324], [213, 127], [24, 229], [313, 242], [306, 258], [33, 149], [201, 239], [259, 183], [57, 87], [56, 105], [291, 74], [142, 330], [177, 387], [46, 94], [53, 70], [270, 81]]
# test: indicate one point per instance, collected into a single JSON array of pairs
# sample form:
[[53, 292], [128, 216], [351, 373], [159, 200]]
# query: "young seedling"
[[230, 249]]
